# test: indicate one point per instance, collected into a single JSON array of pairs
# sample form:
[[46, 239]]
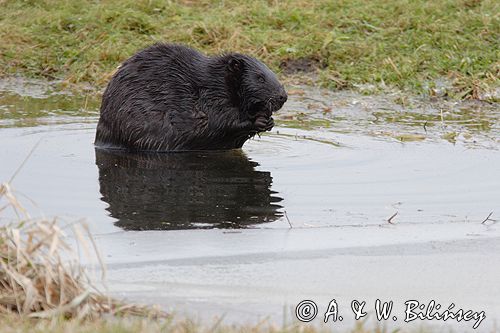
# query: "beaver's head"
[[254, 87]]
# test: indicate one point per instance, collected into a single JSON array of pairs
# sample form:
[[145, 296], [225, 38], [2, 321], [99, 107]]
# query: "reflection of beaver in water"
[[171, 97], [148, 191]]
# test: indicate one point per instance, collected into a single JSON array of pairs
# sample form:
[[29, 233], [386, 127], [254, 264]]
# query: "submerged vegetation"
[[422, 46]]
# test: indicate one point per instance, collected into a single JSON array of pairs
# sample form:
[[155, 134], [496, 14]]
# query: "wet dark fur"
[[171, 98]]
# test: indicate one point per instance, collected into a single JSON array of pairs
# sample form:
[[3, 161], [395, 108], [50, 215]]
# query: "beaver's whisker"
[[269, 103]]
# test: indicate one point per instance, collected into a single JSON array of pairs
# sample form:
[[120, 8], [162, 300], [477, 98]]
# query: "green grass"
[[17, 324], [407, 44]]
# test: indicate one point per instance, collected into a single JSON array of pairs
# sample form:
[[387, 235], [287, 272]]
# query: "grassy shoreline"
[[15, 324], [408, 45]]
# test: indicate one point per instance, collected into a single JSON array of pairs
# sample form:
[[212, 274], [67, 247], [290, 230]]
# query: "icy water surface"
[[347, 193]]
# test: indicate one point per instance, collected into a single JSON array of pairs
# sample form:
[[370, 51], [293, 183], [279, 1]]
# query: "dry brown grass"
[[40, 276]]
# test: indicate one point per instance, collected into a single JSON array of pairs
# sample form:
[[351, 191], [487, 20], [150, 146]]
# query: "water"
[[347, 193], [363, 182]]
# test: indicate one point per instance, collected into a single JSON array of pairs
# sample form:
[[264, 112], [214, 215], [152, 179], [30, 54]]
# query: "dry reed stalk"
[[36, 282]]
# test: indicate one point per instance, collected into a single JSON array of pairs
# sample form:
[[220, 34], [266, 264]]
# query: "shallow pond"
[[346, 188]]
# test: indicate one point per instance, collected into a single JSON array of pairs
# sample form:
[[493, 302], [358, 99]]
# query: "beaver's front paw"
[[264, 124], [270, 124]]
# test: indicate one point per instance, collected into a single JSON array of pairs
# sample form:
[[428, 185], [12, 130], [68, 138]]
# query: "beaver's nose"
[[282, 98]]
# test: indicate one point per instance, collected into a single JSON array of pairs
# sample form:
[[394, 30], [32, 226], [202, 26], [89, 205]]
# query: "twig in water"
[[288, 220], [390, 218], [25, 160], [488, 218]]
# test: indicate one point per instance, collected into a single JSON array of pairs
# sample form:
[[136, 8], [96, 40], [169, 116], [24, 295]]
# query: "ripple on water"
[[361, 182]]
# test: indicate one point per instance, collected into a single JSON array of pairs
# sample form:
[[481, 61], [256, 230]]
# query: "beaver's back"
[[153, 83]]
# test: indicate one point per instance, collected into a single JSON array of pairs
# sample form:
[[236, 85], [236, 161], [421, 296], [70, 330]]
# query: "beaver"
[[170, 97]]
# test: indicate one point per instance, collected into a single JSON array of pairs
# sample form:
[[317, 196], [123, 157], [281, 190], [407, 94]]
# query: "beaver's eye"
[[261, 79]]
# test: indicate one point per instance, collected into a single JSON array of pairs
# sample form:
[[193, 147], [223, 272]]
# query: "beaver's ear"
[[234, 68], [235, 64]]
